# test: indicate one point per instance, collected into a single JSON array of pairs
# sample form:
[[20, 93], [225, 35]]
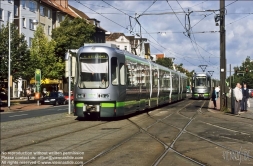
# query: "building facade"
[[136, 46], [49, 14]]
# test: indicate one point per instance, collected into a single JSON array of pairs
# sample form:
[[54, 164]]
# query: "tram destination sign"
[[93, 56]]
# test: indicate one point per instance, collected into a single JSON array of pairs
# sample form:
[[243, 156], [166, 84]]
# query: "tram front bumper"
[[104, 109]]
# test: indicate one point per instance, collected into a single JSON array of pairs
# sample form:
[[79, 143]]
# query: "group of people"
[[241, 96]]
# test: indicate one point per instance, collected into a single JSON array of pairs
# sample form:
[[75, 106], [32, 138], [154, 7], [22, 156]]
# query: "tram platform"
[[248, 114]]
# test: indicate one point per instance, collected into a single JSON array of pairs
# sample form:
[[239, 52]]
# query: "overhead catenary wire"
[[187, 30], [144, 29], [121, 25], [239, 19]]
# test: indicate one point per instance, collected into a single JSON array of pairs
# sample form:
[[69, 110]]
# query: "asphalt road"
[[10, 116]]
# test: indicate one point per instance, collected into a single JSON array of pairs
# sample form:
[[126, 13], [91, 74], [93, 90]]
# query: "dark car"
[[54, 98], [66, 95]]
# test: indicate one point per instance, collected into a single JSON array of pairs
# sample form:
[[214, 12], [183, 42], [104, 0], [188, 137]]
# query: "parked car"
[[251, 93], [54, 98], [66, 95]]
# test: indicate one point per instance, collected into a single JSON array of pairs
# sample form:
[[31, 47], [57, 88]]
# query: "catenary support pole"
[[222, 56]]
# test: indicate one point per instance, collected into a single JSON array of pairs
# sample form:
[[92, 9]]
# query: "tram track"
[[49, 138], [169, 147], [183, 130], [141, 130], [157, 116], [36, 130]]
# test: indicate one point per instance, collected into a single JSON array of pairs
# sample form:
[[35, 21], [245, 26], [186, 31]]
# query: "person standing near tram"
[[238, 98], [245, 97]]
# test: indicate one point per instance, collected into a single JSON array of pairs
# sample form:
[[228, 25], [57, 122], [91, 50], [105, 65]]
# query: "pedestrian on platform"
[[214, 97], [245, 97], [28, 93], [237, 98]]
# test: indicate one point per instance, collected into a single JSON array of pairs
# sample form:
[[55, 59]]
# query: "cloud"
[[165, 31]]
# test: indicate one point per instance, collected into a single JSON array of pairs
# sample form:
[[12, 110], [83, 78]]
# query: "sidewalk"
[[248, 114], [21, 105]]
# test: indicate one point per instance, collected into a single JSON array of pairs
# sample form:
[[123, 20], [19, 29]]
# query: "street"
[[10, 116]]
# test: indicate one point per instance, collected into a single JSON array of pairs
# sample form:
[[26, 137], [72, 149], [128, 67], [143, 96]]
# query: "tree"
[[43, 56], [72, 34], [20, 57], [243, 73], [167, 62]]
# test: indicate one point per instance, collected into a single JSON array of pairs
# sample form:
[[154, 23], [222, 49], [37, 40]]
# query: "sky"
[[185, 30]]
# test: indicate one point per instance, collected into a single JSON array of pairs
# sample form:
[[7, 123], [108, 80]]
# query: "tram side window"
[[114, 71], [122, 74], [155, 78], [128, 75]]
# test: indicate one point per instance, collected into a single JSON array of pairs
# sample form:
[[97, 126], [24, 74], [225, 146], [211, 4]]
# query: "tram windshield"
[[93, 70], [200, 81]]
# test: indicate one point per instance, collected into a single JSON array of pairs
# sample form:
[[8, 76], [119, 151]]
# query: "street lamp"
[[9, 60]]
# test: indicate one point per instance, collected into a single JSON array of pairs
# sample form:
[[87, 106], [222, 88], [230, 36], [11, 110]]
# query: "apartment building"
[[48, 13], [131, 44]]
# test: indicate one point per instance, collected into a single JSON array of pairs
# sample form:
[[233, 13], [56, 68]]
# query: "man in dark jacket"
[[245, 97], [214, 97]]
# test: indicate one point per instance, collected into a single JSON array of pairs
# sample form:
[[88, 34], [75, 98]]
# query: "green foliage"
[[243, 74], [43, 56], [72, 34], [20, 57], [167, 62]]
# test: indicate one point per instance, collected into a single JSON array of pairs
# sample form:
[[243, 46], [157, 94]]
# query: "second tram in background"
[[110, 82], [202, 84]]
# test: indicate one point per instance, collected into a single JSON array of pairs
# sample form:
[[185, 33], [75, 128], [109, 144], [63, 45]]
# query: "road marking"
[[61, 109], [225, 128], [18, 115]]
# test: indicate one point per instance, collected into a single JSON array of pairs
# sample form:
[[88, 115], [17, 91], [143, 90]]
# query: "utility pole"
[[222, 56]]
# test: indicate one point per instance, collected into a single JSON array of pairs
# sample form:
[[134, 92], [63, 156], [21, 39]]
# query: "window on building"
[[59, 18], [49, 14], [125, 47], [9, 16], [30, 41], [24, 22], [16, 10], [23, 3], [31, 25], [42, 11], [49, 30], [45, 12], [10, 1], [118, 46], [32, 6], [63, 17], [1, 14]]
